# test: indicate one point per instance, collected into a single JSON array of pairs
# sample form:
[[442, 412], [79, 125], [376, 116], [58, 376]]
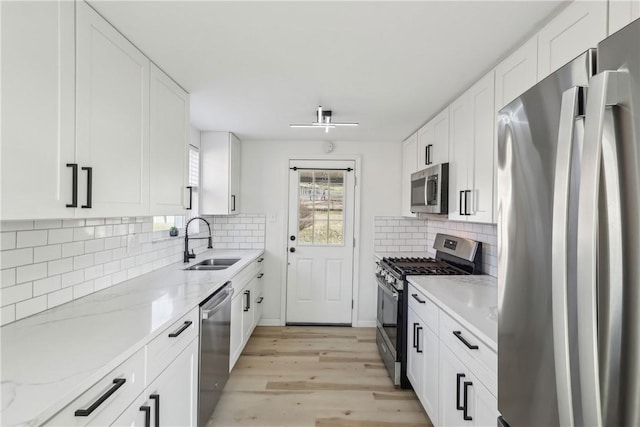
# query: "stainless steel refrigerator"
[[569, 243]]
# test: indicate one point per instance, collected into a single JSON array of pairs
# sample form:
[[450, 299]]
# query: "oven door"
[[388, 315]]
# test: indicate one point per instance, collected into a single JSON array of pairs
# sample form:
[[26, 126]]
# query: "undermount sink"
[[214, 264]]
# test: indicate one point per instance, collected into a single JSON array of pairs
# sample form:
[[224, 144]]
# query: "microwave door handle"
[[599, 154], [559, 237]]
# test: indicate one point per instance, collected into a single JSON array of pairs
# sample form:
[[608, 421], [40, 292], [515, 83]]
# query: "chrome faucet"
[[187, 255]]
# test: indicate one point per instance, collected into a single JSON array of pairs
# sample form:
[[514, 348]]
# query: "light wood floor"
[[314, 376]]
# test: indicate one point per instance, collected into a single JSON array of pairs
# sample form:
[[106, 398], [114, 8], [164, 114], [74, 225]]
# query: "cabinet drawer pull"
[[147, 415], [156, 397], [260, 300], [183, 328], [464, 403], [190, 197], [459, 407], [117, 383], [74, 185], [458, 335], [415, 296], [247, 306], [89, 186], [260, 259], [260, 275]]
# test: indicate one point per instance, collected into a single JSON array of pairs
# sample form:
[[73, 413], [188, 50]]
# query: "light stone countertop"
[[471, 300], [50, 358]]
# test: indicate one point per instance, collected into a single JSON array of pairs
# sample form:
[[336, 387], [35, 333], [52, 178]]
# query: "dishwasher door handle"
[[211, 311]]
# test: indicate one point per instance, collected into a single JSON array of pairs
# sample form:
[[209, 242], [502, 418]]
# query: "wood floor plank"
[[306, 376]]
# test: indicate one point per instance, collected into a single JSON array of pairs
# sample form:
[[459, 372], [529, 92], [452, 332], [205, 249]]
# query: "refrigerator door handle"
[[568, 112], [599, 154]]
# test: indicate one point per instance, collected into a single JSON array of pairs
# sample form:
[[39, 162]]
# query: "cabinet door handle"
[[458, 335], [418, 339], [459, 407], [156, 397], [74, 185], [233, 203], [260, 276], [182, 328], [465, 405], [247, 306], [260, 259], [414, 335], [415, 296], [460, 209], [89, 186], [466, 202], [147, 415], [260, 300], [190, 197], [117, 383], [428, 154]]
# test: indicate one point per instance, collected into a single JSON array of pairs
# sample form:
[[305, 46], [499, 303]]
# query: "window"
[[165, 222], [321, 208]]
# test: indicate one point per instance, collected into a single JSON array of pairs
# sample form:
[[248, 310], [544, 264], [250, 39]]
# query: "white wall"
[[264, 180]]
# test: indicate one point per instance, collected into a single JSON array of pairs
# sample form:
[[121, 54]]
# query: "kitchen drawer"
[[115, 399], [242, 278], [165, 347], [483, 361], [424, 308]]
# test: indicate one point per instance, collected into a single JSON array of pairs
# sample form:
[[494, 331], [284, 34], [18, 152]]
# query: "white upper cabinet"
[[433, 141], [622, 12], [38, 62], [577, 28], [409, 166], [517, 73], [220, 172], [169, 135], [112, 92], [471, 158]]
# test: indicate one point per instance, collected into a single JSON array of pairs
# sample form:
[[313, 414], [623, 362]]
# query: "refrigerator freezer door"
[[528, 131]]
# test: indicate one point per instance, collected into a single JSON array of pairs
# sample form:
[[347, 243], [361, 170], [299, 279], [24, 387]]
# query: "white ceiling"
[[255, 67]]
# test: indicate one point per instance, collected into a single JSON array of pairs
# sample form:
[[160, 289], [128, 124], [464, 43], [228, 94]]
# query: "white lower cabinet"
[[246, 307], [170, 400], [464, 401], [448, 388]]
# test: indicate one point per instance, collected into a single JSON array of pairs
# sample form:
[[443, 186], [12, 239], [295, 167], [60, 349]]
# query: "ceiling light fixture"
[[323, 121]]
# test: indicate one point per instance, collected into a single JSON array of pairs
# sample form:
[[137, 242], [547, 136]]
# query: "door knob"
[[292, 250]]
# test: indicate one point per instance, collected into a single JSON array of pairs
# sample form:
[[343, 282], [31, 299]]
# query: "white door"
[[320, 241]]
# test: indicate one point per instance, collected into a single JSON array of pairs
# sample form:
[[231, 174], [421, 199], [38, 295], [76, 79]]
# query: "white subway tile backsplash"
[[14, 294], [72, 249], [71, 223], [44, 224], [59, 297], [16, 257], [44, 286], [81, 262], [8, 240], [59, 266], [7, 314], [60, 235], [31, 272], [47, 253], [83, 289], [67, 259], [16, 225], [8, 277], [31, 306]]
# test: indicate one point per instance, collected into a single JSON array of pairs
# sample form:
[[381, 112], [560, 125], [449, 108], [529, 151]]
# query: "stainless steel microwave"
[[430, 190]]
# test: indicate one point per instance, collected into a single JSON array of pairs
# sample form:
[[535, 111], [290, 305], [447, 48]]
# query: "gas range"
[[454, 255]]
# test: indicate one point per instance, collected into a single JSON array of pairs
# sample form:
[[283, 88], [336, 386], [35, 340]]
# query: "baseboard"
[[365, 324], [270, 322]]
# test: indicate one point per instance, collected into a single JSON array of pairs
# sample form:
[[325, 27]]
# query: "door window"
[[321, 208]]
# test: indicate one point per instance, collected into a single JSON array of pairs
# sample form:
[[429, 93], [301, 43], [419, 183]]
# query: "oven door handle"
[[385, 288]]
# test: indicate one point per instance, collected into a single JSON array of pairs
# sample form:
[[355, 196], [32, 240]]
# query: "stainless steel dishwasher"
[[215, 333]]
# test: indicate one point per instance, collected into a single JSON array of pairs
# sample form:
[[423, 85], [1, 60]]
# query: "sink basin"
[[214, 264]]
